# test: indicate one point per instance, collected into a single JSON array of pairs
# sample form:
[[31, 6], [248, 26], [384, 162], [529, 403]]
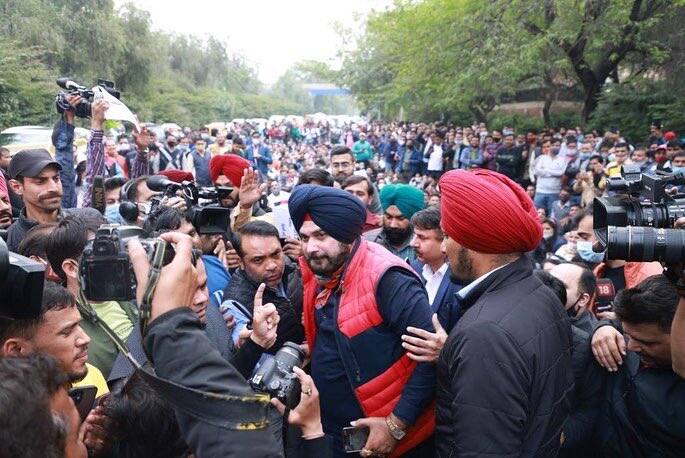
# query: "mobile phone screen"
[[354, 439]]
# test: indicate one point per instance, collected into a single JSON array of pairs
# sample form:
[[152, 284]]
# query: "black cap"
[[30, 162]]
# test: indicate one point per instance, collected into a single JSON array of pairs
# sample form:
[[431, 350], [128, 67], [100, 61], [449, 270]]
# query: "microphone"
[[66, 83], [160, 183]]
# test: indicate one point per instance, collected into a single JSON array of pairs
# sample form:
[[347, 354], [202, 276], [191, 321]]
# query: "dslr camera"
[[21, 285], [83, 109], [276, 377], [637, 225], [204, 208], [105, 270]]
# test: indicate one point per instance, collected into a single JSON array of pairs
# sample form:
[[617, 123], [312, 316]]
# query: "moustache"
[[51, 195]]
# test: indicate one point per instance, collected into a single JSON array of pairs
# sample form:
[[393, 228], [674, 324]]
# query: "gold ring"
[[307, 392]]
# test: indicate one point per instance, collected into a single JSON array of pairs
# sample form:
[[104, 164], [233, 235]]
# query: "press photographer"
[[181, 353]]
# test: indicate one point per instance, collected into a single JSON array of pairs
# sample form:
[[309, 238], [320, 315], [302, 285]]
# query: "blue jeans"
[[545, 201]]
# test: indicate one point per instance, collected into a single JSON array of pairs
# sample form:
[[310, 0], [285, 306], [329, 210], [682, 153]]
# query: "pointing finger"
[[258, 295]]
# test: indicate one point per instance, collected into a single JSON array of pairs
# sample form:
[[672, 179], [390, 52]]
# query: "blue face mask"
[[112, 215], [586, 253], [678, 169]]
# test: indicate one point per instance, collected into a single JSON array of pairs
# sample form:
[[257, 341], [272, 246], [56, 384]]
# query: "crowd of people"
[[441, 280]]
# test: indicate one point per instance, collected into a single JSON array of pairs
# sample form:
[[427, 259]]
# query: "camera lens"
[[628, 211], [289, 356], [645, 244]]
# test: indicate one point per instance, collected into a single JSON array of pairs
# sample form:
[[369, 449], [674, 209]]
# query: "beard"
[[397, 236], [325, 265], [463, 271]]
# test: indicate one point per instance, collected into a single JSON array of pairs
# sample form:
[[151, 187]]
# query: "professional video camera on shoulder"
[[83, 109], [204, 208], [638, 225], [21, 285]]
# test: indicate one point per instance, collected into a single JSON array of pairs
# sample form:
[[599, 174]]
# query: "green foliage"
[[162, 77], [633, 106], [437, 59], [25, 90]]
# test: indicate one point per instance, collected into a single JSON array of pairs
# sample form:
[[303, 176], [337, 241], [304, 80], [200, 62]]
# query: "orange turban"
[[488, 212]]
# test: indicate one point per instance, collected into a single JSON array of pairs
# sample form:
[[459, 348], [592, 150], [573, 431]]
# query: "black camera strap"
[[231, 412]]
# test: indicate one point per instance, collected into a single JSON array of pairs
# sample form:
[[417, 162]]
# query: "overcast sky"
[[271, 34]]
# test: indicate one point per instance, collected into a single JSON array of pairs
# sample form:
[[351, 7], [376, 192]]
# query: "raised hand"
[[264, 321], [97, 113], [142, 139], [178, 280], [250, 189]]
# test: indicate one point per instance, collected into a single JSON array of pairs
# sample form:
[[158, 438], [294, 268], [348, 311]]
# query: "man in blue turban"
[[337, 212], [400, 202], [358, 300]]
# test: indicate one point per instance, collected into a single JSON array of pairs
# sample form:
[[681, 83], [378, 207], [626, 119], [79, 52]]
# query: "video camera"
[[105, 269], [83, 109], [276, 377], [21, 285], [204, 203], [638, 225]]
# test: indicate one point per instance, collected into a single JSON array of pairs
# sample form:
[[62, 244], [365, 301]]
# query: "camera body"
[[638, 225], [105, 269], [203, 203], [276, 377], [83, 109], [21, 285]]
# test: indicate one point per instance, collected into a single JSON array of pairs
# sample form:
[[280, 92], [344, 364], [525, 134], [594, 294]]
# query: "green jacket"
[[101, 351], [363, 151]]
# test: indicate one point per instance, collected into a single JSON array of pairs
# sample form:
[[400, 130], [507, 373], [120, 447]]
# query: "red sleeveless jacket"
[[358, 313]]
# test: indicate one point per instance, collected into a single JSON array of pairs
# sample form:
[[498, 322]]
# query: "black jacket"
[[242, 289], [504, 375], [589, 377], [181, 352], [643, 412]]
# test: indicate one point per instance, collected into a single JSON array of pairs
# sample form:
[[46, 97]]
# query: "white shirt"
[[435, 159], [468, 288], [433, 280]]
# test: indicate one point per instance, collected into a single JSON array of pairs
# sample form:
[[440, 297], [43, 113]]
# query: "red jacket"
[[358, 313]]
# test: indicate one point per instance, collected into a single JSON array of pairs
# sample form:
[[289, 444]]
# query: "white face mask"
[[547, 234]]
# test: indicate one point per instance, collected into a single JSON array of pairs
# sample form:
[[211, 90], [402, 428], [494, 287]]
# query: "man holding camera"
[[37, 178], [64, 248], [358, 301]]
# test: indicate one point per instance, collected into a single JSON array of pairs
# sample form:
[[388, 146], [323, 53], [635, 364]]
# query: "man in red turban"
[[227, 170], [504, 373]]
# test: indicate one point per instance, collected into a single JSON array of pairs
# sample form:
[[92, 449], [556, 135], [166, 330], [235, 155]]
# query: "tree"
[[595, 36]]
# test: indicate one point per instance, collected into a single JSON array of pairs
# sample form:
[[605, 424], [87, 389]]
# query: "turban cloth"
[[231, 166], [340, 214], [405, 197], [488, 213], [178, 176]]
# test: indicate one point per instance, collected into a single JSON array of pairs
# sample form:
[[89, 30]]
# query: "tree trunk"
[[545, 111], [478, 114], [592, 93]]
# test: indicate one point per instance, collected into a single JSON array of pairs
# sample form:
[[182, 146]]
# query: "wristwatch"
[[395, 431]]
